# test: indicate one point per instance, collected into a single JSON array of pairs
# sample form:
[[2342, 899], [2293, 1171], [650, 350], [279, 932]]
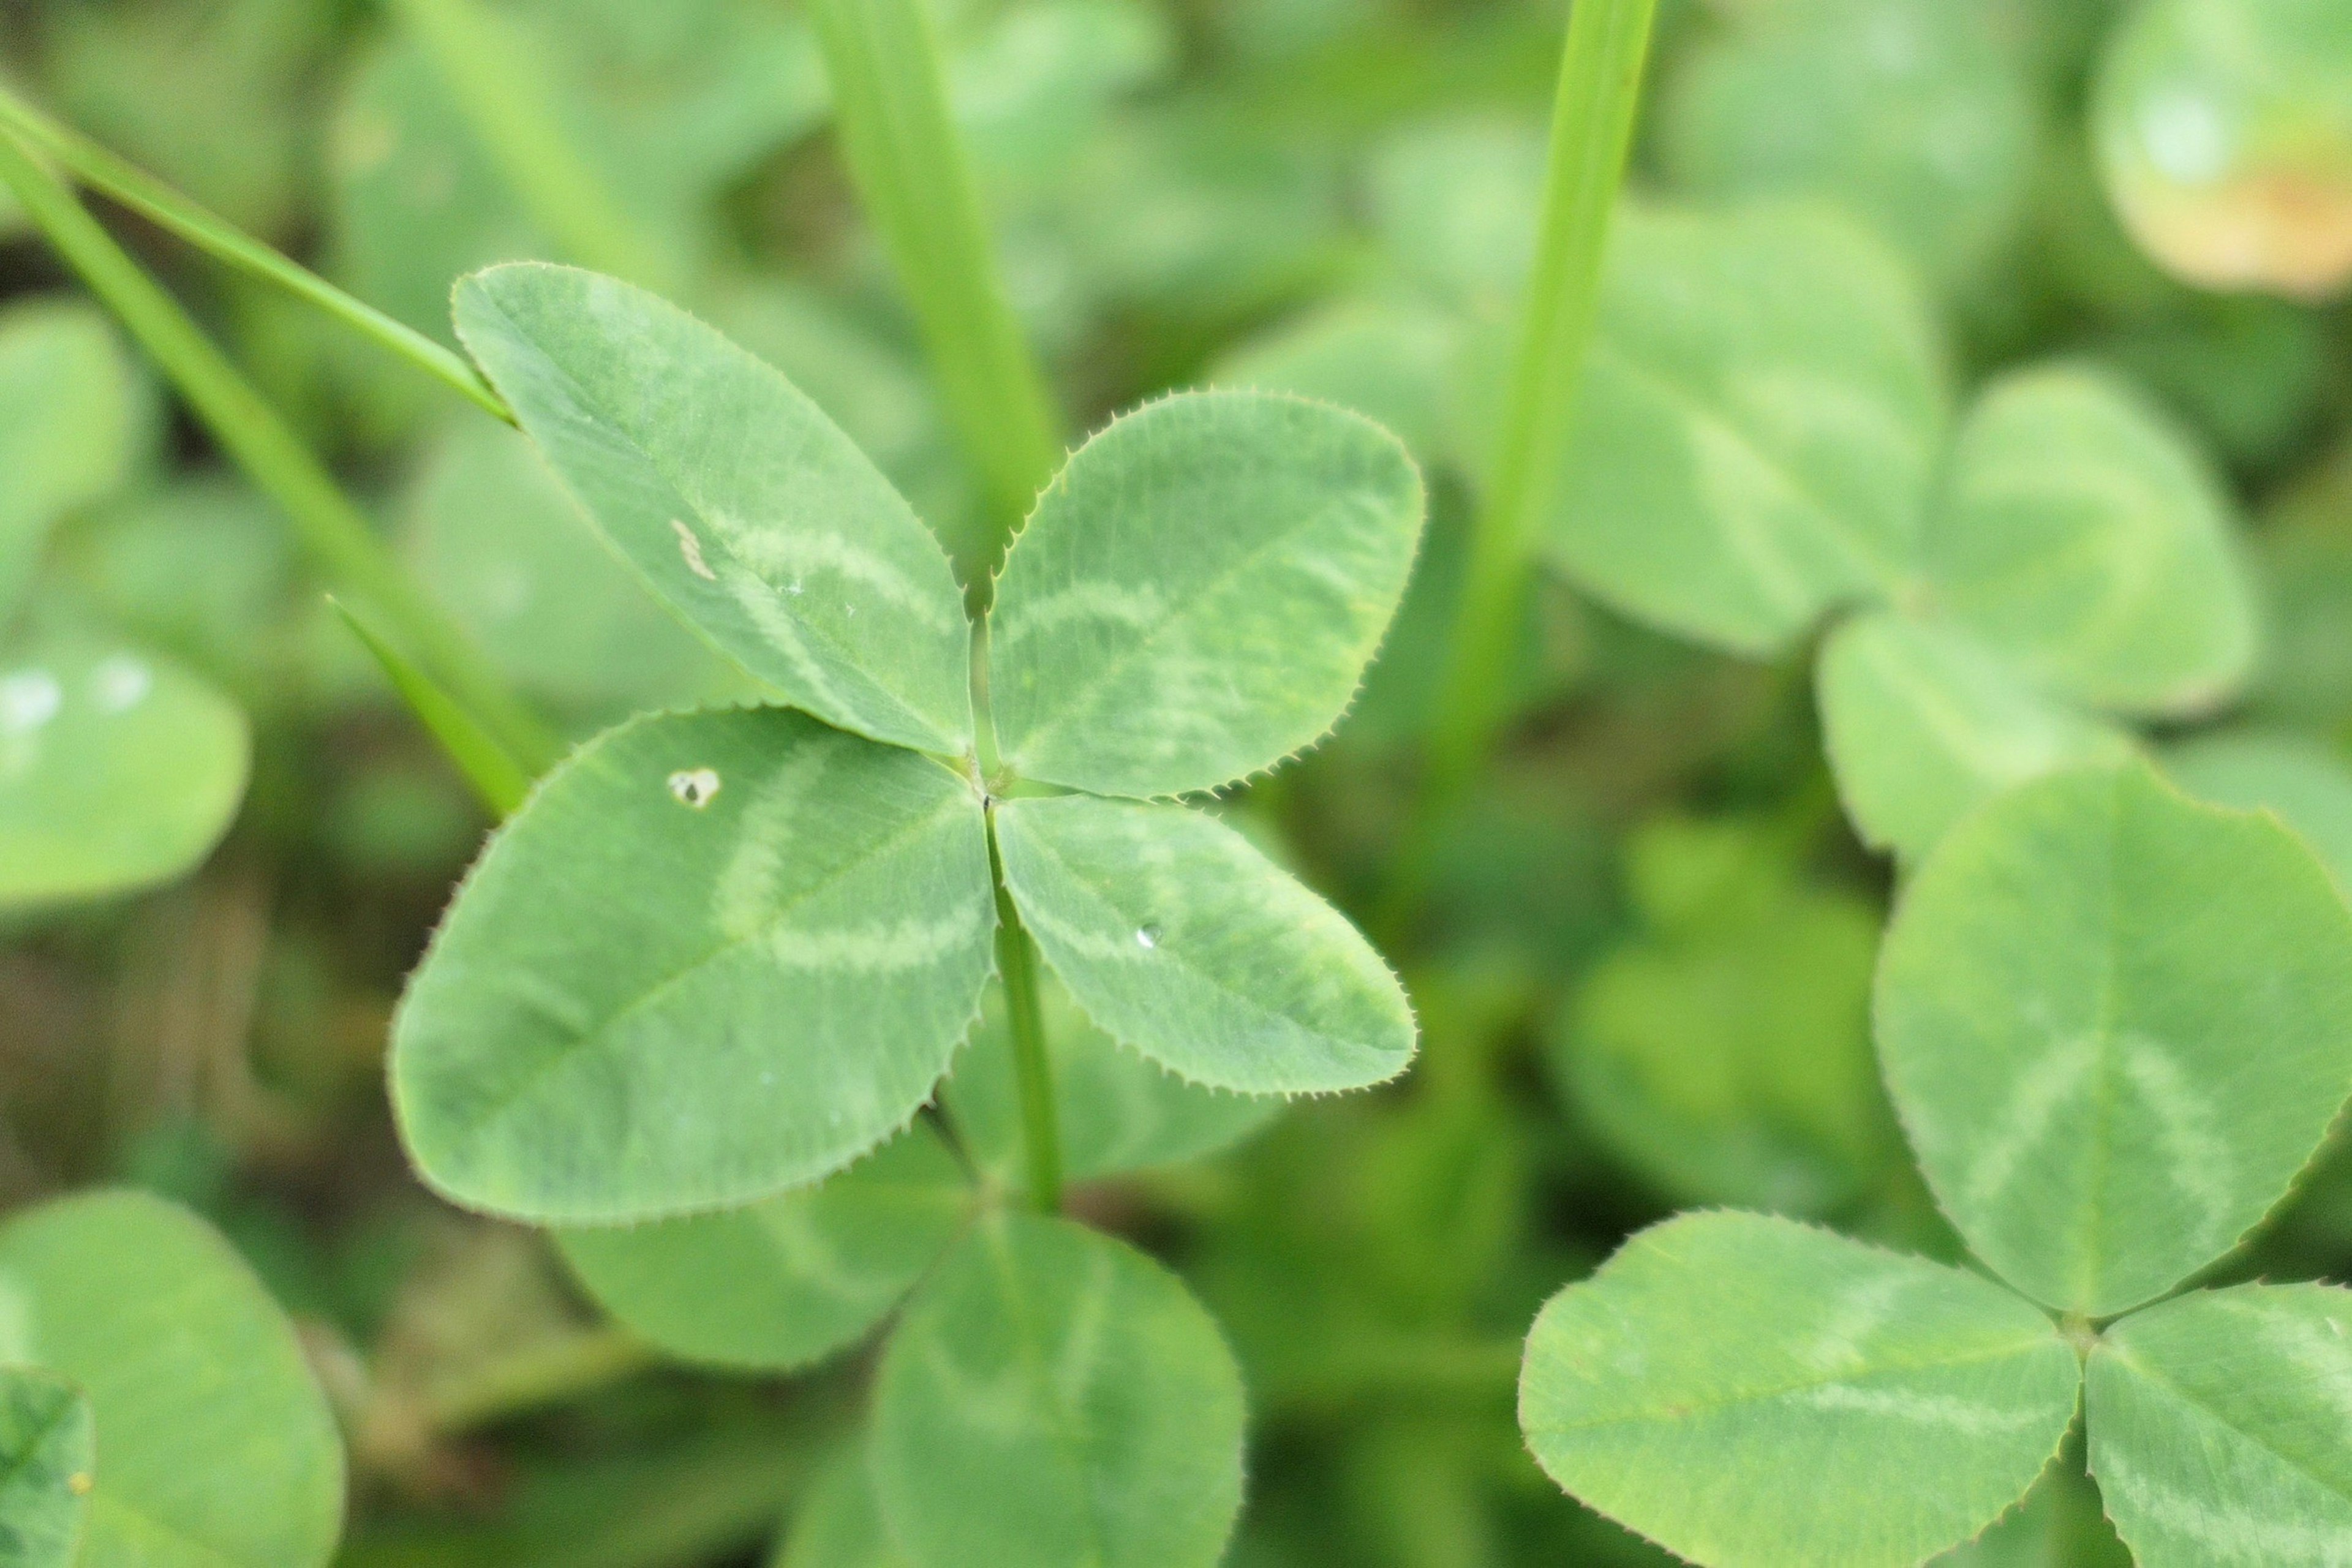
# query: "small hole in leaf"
[[695, 787], [1147, 937]]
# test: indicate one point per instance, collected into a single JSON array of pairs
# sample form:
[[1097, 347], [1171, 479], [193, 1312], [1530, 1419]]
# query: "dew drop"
[[695, 787], [690, 548], [1147, 937], [29, 700], [121, 683]]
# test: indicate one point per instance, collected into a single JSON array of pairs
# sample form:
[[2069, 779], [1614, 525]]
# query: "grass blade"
[[1593, 127], [497, 779], [95, 166], [333, 530], [890, 106]]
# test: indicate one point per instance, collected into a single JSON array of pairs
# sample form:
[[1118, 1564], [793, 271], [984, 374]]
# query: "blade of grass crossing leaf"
[[330, 526], [891, 105], [95, 166], [499, 780], [498, 84], [1592, 130]]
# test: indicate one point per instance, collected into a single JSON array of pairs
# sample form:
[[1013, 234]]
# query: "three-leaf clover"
[[2117, 1024], [1766, 444]]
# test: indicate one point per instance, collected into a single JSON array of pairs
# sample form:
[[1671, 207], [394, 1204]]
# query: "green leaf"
[[1725, 1056], [1118, 1111], [1914, 114], [2116, 1023], [744, 508], [2217, 1427], [839, 1524], [789, 1280], [496, 541], [716, 956], [2083, 535], [118, 770], [1179, 939], [1924, 724], [1392, 360], [215, 1449], [1761, 418], [48, 1467], [1751, 1392], [70, 422], [1457, 205], [1054, 1399], [880, 394], [2220, 131], [2059, 1525], [2308, 784], [1198, 593]]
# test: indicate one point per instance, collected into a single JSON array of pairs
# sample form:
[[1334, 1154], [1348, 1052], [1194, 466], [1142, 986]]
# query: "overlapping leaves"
[[805, 929], [214, 1448]]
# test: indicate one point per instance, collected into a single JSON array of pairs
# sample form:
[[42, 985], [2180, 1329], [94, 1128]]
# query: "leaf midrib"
[[841, 657], [1750, 1396], [1884, 572], [2218, 1416], [767, 929], [1251, 1004], [1080, 699]]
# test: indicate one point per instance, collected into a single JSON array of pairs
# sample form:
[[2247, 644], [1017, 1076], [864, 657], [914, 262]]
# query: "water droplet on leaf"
[[1147, 937], [696, 787]]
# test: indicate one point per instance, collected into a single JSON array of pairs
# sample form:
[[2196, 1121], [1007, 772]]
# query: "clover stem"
[[118, 180], [1593, 127], [1017, 960], [338, 536], [909, 161]]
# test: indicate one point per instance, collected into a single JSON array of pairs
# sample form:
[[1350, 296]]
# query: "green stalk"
[[1017, 960], [890, 107], [1593, 129], [330, 526], [499, 82], [96, 167], [499, 782]]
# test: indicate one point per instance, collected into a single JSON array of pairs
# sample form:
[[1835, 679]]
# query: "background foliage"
[[1642, 976]]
